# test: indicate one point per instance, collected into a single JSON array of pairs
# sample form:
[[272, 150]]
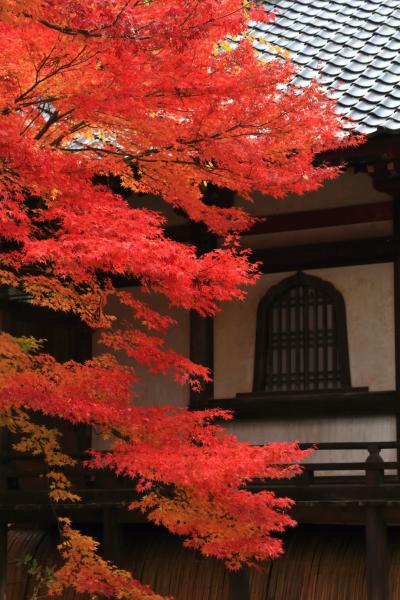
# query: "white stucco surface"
[[153, 388], [347, 189], [332, 429], [318, 235]]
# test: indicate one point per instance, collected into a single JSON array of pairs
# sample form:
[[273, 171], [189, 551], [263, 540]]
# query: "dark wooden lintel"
[[382, 146], [330, 254], [298, 406], [325, 255], [339, 494], [326, 217]]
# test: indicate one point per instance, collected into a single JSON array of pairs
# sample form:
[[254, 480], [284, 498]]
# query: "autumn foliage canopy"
[[169, 97]]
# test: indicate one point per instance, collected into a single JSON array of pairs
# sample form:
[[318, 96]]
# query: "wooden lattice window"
[[301, 341]]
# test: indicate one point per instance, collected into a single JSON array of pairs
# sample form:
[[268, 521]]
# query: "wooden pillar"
[[202, 328], [3, 560], [377, 554], [202, 350], [111, 546], [239, 585], [396, 287]]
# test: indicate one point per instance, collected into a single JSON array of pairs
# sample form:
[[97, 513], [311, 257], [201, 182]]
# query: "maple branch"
[[97, 32], [30, 122], [57, 141], [68, 30], [74, 62], [54, 118]]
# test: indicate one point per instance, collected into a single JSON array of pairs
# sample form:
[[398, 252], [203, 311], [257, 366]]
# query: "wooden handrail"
[[351, 466], [346, 445], [373, 468]]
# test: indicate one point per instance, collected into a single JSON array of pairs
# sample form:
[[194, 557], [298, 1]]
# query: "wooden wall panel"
[[320, 563]]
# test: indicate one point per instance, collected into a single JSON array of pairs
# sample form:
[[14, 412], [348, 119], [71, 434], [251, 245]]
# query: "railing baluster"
[[374, 476]]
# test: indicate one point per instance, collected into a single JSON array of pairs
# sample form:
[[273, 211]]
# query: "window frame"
[[263, 334]]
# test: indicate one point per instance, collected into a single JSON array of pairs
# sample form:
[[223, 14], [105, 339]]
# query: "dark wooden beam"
[[377, 554], [328, 217], [339, 494], [306, 405], [331, 254], [384, 146], [239, 585], [3, 560]]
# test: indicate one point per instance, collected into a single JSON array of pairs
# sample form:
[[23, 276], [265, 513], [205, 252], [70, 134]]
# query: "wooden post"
[[111, 547], [3, 560], [202, 350], [202, 328], [239, 585], [377, 554], [396, 285], [374, 476]]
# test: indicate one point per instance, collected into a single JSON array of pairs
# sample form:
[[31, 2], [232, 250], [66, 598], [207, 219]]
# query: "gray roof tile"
[[355, 91], [365, 106], [383, 88], [351, 46], [393, 44], [382, 112], [392, 125], [391, 102], [348, 101], [390, 78]]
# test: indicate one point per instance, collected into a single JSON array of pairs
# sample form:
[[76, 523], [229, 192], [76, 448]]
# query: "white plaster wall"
[[156, 389], [336, 429], [318, 235], [368, 295], [347, 189]]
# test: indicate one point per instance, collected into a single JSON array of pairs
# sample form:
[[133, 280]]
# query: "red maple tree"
[[168, 96]]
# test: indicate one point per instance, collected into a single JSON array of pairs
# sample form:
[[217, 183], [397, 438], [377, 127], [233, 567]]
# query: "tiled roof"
[[354, 48]]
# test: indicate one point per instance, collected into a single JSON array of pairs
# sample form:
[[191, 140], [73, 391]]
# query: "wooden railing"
[[22, 482], [363, 480]]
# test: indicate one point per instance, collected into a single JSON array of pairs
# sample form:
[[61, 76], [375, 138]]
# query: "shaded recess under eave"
[[321, 563]]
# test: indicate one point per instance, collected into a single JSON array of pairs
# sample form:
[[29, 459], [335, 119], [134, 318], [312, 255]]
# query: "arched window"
[[301, 341]]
